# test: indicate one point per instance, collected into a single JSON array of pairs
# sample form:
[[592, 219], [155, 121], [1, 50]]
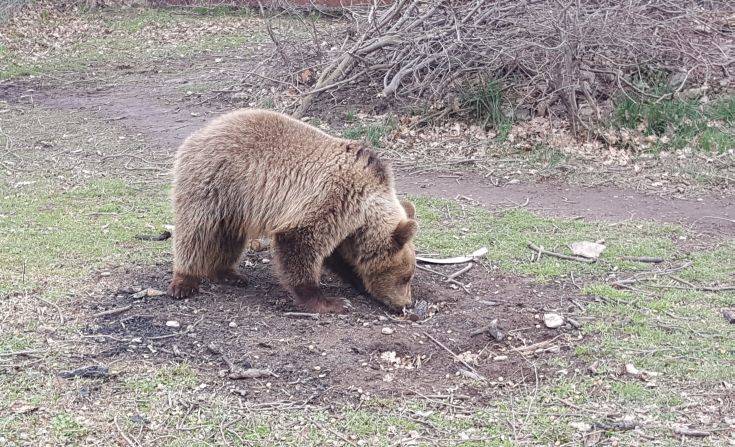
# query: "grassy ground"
[[61, 231], [69, 215]]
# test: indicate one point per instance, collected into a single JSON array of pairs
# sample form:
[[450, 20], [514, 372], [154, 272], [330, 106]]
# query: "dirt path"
[[555, 199], [150, 109]]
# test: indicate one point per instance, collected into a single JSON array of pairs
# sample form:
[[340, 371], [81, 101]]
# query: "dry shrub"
[[572, 55]]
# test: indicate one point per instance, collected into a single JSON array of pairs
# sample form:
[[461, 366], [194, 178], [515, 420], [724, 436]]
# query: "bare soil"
[[710, 216], [334, 358]]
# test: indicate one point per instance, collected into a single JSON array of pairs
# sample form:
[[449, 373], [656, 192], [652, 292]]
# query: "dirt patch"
[[335, 357], [148, 107], [709, 215]]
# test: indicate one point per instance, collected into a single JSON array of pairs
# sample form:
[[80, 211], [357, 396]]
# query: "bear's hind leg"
[[299, 258], [183, 285], [204, 250], [231, 244]]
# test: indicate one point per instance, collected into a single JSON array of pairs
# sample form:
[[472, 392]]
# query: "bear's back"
[[276, 168]]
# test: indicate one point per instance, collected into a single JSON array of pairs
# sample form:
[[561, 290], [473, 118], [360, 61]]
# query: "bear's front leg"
[[299, 256]]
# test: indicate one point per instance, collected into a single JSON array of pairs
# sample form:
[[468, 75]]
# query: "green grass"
[[172, 377], [372, 133], [66, 428], [680, 123], [447, 228], [679, 334], [130, 36], [484, 100], [51, 235]]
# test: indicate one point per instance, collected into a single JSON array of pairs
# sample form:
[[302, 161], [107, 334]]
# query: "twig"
[[645, 259], [461, 271], [534, 346], [332, 431], [20, 353], [456, 357], [301, 315], [681, 431], [540, 251], [717, 218], [446, 277], [128, 440], [113, 311]]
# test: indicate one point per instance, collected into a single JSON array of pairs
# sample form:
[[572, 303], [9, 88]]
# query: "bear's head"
[[388, 274]]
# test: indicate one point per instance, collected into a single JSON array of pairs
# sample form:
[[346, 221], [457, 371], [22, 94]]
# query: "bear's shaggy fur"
[[322, 200]]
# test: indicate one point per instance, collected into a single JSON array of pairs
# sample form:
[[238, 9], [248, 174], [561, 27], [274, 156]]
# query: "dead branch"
[[559, 56], [681, 431], [461, 271], [541, 251], [645, 259], [113, 311]]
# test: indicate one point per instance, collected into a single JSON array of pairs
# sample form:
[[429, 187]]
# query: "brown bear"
[[322, 200]]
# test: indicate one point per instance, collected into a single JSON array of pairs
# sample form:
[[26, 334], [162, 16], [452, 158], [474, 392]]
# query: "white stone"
[[553, 321]]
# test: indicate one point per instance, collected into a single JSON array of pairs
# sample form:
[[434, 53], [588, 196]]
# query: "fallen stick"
[[113, 311], [19, 353], [692, 433], [453, 281], [236, 372], [301, 315], [541, 251], [645, 259], [697, 288], [456, 357], [457, 260], [462, 271], [534, 346]]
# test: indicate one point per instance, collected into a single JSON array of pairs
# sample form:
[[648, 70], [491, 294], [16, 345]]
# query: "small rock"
[[387, 331], [382, 318], [87, 372], [591, 250], [729, 315], [500, 358], [553, 321], [419, 312], [139, 295], [232, 324], [104, 274], [173, 323], [138, 419], [581, 426], [154, 292], [632, 370]]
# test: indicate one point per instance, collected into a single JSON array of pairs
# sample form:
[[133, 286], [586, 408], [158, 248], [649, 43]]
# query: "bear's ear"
[[410, 209], [404, 232]]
